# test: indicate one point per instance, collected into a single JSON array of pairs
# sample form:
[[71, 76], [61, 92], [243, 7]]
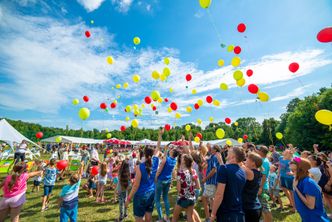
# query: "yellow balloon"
[[155, 75], [205, 3], [107, 130], [216, 102], [221, 62], [134, 123], [194, 91], [128, 108], [241, 82], [76, 102], [229, 143], [230, 48], [199, 121], [127, 118], [143, 105], [279, 135], [237, 75], [223, 86], [108, 135], [189, 109], [137, 40], [125, 85], [170, 90], [177, 115], [211, 119], [220, 133], [163, 77], [115, 101], [264, 97], [155, 95], [58, 139], [118, 86], [197, 139], [135, 106], [200, 102], [169, 109], [324, 116], [136, 78], [188, 127], [160, 100], [240, 140], [84, 113], [236, 61], [109, 60], [166, 60], [166, 71], [236, 124]]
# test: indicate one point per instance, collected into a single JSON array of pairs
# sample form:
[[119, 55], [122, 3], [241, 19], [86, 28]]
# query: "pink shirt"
[[19, 187]]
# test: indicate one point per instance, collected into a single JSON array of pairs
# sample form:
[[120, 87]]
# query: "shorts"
[[275, 192], [210, 190], [185, 203], [48, 189], [18, 156], [12, 202], [287, 182], [92, 185], [102, 182], [143, 203], [36, 183], [230, 217], [264, 200]]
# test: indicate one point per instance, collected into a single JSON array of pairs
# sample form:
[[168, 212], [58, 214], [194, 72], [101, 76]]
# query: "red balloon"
[[188, 77], [103, 106], [252, 88], [166, 100], [241, 27], [148, 100], [228, 120], [196, 106], [123, 128], [249, 72], [87, 34], [293, 67], [86, 99], [61, 165], [167, 127], [325, 35], [199, 135], [39, 135], [174, 106], [209, 99], [154, 108], [237, 49], [245, 136], [113, 105], [94, 170]]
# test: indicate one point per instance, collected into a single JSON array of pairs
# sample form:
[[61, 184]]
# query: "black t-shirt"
[[250, 192]]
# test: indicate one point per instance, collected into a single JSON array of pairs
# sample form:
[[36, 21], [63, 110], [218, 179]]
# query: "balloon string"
[[214, 25], [299, 81]]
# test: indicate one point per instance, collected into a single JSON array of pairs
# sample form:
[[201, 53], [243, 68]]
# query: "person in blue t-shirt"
[[227, 204], [163, 182], [143, 190], [50, 174], [307, 194]]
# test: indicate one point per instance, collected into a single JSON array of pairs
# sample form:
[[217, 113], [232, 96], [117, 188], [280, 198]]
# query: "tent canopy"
[[223, 142], [10, 135], [71, 139]]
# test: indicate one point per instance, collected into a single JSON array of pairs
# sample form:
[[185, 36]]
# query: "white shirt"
[[22, 148], [316, 174], [94, 154]]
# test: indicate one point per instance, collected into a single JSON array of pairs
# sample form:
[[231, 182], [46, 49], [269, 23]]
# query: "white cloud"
[[123, 5], [292, 94], [199, 14], [90, 5]]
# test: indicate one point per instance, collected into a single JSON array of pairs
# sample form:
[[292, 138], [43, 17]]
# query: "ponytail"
[[148, 153], [18, 169]]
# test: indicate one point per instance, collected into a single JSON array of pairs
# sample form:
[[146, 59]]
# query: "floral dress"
[[187, 191]]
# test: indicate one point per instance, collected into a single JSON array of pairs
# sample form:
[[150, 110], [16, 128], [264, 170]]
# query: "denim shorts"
[[48, 189], [36, 183], [287, 182], [143, 203], [185, 203]]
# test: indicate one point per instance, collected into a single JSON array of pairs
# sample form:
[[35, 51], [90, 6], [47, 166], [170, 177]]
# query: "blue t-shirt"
[[147, 181], [166, 173], [284, 168], [235, 178], [266, 172], [250, 192], [212, 163], [50, 176], [308, 186], [273, 177]]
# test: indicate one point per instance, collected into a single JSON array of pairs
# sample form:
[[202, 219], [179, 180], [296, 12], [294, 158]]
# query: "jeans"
[[70, 214], [162, 188], [122, 200], [143, 203]]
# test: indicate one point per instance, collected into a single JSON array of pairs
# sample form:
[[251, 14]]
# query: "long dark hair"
[[188, 162], [18, 169], [198, 160], [124, 175], [148, 153]]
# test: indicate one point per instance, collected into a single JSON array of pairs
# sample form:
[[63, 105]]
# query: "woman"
[[143, 190], [326, 180], [14, 188], [20, 151], [307, 194]]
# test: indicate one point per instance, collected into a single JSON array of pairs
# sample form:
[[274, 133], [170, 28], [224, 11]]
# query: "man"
[[275, 154], [210, 180], [264, 188], [227, 205]]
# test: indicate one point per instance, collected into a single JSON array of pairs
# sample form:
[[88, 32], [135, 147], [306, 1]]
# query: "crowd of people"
[[233, 183]]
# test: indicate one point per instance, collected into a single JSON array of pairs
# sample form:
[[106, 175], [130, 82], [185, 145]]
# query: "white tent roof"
[[146, 142], [71, 139], [223, 142], [10, 135]]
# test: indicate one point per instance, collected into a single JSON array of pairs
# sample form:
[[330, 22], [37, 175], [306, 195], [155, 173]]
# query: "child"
[[122, 188], [37, 179], [115, 172], [102, 180], [91, 186], [68, 200], [132, 164], [274, 187], [110, 170], [49, 181]]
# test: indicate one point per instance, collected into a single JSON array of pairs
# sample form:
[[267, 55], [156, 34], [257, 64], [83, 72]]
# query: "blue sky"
[[46, 61]]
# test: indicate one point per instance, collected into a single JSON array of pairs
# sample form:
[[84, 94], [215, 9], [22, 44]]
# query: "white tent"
[[10, 135], [146, 142], [71, 139], [222, 142]]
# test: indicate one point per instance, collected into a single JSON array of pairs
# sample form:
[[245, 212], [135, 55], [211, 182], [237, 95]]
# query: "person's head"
[[303, 166], [174, 153], [272, 148], [124, 175], [215, 149], [235, 155], [187, 161], [52, 162], [208, 146], [287, 154], [263, 151], [74, 178], [115, 154], [251, 146], [273, 168], [315, 161], [253, 161], [204, 150], [148, 153], [18, 169], [103, 169], [305, 154]]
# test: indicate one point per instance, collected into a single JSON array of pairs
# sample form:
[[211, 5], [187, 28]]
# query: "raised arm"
[[190, 141], [135, 186], [157, 150], [36, 173], [81, 170]]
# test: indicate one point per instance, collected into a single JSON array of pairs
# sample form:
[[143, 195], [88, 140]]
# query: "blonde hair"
[[203, 150]]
